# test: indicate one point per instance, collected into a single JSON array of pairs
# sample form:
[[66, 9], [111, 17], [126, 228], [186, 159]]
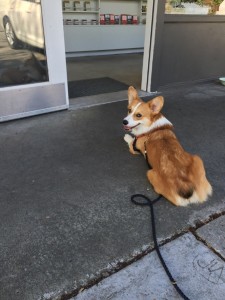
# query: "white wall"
[[123, 7]]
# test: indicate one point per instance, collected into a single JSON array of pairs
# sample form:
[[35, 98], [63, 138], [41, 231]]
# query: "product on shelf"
[[124, 19], [67, 5], [129, 19], [69, 22], [112, 19], [135, 19], [84, 22], [76, 22], [77, 5], [87, 5], [102, 19], [94, 22], [144, 8], [107, 19], [116, 19]]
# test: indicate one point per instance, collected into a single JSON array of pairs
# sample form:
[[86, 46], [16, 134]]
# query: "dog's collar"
[[166, 126], [142, 135], [160, 124]]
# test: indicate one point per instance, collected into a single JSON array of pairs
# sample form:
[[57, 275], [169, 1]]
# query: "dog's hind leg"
[[202, 186], [160, 186], [154, 180]]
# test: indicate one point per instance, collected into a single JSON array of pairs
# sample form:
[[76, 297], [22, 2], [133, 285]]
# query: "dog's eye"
[[129, 111], [138, 115]]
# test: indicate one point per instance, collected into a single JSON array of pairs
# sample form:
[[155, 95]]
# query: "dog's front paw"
[[128, 139]]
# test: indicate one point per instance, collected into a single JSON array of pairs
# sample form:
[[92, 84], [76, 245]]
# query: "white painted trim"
[[33, 113], [25, 86], [149, 45], [54, 41], [103, 52]]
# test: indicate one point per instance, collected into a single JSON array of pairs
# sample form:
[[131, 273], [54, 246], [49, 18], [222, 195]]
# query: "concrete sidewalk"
[[195, 259], [66, 217]]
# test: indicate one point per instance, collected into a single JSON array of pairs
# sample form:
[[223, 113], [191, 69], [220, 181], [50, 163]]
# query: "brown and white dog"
[[175, 174]]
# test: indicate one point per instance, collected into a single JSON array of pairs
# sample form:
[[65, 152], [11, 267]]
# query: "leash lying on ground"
[[150, 203]]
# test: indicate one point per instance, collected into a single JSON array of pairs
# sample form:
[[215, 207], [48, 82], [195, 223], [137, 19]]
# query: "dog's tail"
[[185, 188], [192, 185], [185, 192]]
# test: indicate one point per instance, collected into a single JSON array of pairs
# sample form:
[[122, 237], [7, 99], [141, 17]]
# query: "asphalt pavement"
[[67, 222]]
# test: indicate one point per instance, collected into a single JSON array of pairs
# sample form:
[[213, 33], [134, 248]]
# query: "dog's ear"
[[156, 104], [132, 94]]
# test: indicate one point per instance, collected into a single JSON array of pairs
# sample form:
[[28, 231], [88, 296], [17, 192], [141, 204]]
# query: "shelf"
[[109, 25], [103, 38], [81, 11], [85, 39]]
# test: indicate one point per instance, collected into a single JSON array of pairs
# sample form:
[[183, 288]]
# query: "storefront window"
[[195, 7], [22, 44]]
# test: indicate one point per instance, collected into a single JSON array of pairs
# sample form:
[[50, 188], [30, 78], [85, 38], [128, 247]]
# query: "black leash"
[[150, 203]]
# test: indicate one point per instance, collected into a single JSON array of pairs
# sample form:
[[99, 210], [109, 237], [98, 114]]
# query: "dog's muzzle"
[[126, 127]]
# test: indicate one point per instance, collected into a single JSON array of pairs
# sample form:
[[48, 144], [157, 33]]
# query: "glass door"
[[28, 82]]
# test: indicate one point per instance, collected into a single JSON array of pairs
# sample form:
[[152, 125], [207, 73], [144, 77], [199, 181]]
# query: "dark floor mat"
[[89, 87]]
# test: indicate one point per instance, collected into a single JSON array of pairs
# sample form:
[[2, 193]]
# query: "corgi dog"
[[177, 175]]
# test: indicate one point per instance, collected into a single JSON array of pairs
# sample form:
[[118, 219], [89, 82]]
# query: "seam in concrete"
[[203, 241], [119, 265], [212, 217]]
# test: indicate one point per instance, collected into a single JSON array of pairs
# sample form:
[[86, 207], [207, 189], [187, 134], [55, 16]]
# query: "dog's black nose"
[[125, 122]]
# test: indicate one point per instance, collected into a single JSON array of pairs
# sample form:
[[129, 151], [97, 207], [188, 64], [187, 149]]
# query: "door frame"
[[37, 98]]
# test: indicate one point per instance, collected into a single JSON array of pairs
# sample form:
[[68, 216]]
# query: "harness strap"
[[134, 145], [137, 150]]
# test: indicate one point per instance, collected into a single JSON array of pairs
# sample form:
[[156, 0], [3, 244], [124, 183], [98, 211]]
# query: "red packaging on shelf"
[[135, 19], [112, 19], [102, 19], [123, 19]]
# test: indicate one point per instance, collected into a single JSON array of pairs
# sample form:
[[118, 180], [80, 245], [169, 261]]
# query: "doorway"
[[89, 75], [126, 68], [111, 47]]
